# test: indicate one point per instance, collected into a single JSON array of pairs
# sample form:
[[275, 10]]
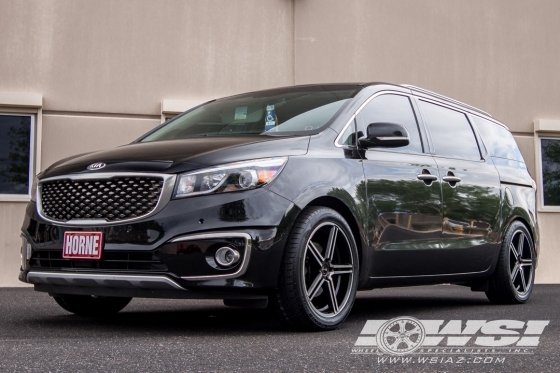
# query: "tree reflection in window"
[[550, 151], [15, 142]]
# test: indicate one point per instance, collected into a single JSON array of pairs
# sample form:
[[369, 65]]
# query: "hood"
[[174, 156]]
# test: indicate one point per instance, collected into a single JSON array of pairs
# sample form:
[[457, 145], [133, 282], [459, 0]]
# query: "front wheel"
[[319, 273], [85, 305], [512, 282]]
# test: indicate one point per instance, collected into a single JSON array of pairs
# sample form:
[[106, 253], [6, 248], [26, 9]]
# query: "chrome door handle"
[[427, 177], [451, 179]]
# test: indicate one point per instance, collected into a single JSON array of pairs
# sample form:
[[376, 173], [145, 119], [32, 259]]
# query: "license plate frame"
[[83, 245]]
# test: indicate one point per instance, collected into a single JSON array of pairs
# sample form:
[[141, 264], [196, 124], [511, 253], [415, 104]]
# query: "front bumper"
[[116, 285], [170, 254]]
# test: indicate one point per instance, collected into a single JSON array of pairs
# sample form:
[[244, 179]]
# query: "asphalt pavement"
[[205, 336]]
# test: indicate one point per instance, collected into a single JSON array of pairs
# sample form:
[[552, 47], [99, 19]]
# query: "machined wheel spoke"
[[526, 262], [523, 283], [341, 269], [315, 252], [520, 244], [315, 286], [513, 249], [332, 295], [331, 243], [328, 286], [514, 272]]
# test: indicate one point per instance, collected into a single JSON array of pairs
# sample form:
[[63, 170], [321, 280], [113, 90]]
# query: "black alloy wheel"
[[319, 274], [514, 277]]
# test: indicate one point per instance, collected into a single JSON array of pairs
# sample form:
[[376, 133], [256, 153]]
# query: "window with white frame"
[[17, 148], [550, 170], [547, 156]]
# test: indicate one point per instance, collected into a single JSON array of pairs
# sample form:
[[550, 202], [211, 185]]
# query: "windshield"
[[280, 111]]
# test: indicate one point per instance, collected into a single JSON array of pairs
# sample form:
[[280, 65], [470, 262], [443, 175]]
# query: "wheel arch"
[[340, 207], [530, 228]]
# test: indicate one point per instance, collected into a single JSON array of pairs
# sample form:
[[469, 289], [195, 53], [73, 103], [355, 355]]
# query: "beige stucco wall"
[[499, 55], [11, 216], [104, 67], [66, 135], [125, 56], [549, 261]]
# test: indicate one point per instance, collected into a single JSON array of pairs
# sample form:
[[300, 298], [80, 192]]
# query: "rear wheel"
[[319, 273], [512, 282], [85, 305]]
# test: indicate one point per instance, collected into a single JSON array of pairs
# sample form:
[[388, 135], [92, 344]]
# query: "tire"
[[85, 305], [513, 279], [319, 275]]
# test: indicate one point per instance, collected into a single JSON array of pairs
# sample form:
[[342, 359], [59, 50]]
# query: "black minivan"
[[294, 198]]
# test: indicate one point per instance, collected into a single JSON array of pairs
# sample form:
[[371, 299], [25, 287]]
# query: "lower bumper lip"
[[103, 280], [118, 285]]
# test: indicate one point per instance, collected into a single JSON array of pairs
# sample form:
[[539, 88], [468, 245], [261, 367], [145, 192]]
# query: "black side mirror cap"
[[384, 134]]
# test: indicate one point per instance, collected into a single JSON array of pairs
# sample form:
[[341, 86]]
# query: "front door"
[[404, 196]]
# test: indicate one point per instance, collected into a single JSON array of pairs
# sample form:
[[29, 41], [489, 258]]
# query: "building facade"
[[83, 75]]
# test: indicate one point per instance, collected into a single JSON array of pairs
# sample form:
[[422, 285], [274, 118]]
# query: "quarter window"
[[348, 137], [451, 132], [393, 109], [16, 146], [498, 140]]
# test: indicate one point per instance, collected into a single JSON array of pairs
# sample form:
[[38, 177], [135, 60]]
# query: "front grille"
[[111, 260], [118, 198]]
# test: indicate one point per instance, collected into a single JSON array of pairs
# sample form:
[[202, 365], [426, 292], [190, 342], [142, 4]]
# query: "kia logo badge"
[[96, 166]]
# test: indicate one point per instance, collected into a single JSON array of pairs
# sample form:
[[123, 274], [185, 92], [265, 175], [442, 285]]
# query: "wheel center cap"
[[325, 268]]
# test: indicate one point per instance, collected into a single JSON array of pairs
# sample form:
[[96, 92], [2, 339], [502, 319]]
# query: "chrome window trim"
[[453, 104], [246, 257], [380, 93], [164, 198], [392, 138], [426, 276], [490, 119], [445, 98]]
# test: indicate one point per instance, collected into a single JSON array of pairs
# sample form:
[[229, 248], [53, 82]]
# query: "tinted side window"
[[550, 153], [393, 109], [15, 154], [451, 132], [498, 140]]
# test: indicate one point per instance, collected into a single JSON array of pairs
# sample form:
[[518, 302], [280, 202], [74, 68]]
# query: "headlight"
[[231, 177]]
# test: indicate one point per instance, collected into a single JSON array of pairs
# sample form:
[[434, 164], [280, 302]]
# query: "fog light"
[[226, 256]]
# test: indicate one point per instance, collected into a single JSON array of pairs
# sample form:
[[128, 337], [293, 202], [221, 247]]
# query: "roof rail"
[[442, 97]]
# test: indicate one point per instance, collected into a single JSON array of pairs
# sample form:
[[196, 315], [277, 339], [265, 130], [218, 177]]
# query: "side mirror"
[[382, 134]]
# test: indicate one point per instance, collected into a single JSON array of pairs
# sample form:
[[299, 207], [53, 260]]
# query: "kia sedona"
[[291, 198]]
